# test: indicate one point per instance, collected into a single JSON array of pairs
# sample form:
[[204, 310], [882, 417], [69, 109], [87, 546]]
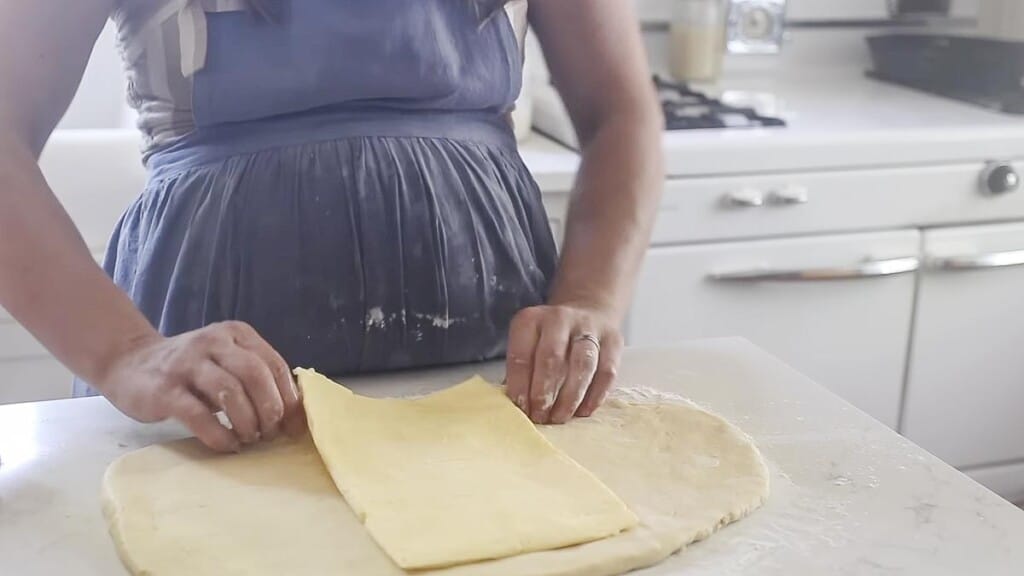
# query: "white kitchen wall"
[[100, 101]]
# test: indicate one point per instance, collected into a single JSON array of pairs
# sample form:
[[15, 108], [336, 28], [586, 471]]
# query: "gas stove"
[[684, 107], [688, 109]]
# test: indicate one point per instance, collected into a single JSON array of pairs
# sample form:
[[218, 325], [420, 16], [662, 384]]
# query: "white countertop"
[[553, 166], [849, 496], [843, 119], [838, 118]]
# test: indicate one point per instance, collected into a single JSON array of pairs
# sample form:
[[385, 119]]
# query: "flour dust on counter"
[[179, 509]]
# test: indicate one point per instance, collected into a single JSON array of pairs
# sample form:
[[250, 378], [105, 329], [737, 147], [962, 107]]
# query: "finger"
[[294, 417], [258, 383], [549, 367], [223, 390], [193, 413], [583, 360], [606, 375], [522, 341]]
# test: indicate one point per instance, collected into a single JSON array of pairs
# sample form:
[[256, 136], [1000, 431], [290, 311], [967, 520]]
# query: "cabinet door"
[[33, 379], [965, 392], [1006, 480], [28, 372], [837, 308]]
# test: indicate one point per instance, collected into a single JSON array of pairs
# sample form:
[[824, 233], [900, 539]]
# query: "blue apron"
[[353, 189]]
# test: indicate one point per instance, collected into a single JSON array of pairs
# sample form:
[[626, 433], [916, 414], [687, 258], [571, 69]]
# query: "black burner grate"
[[687, 109]]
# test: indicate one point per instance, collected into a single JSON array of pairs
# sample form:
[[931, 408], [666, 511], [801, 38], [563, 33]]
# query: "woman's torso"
[[345, 180], [196, 63]]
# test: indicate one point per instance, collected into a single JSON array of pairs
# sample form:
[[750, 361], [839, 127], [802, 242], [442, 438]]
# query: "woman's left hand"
[[562, 361]]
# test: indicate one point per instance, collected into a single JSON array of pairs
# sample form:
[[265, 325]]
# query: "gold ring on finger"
[[588, 337]]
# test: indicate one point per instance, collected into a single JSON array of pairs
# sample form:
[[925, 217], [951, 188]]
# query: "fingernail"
[[276, 410], [548, 402], [521, 402], [222, 400]]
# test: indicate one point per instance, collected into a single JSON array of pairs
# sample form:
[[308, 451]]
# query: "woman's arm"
[[50, 283], [597, 62], [47, 277]]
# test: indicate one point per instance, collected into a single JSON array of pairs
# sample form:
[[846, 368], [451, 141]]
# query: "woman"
[[332, 183]]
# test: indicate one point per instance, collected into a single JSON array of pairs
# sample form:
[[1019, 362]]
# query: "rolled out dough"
[[177, 509], [455, 477]]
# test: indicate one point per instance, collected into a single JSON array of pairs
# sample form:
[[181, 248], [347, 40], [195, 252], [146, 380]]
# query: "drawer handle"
[[790, 196], [745, 198], [868, 269], [977, 261]]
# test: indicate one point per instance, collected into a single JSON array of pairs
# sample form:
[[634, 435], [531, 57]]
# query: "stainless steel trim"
[[977, 261], [862, 270]]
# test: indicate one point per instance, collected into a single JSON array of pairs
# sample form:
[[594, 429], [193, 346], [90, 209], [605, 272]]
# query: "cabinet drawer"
[[556, 205], [698, 209], [17, 343], [34, 379], [29, 372], [965, 392], [1007, 481], [849, 335]]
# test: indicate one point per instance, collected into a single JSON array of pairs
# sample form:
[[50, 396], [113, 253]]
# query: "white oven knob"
[[745, 198], [788, 196], [1000, 178]]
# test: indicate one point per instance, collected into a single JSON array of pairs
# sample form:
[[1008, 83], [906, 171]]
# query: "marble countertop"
[[849, 496]]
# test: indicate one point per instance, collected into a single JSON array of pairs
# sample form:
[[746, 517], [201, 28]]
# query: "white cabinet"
[[35, 378], [1006, 480], [848, 333], [30, 372], [94, 174], [965, 392]]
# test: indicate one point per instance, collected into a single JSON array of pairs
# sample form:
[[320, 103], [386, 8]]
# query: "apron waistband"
[[215, 143]]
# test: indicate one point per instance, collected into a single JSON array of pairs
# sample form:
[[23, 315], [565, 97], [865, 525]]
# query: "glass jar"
[[697, 40], [1001, 19]]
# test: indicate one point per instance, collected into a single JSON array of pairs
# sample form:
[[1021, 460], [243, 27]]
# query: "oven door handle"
[[859, 271], [977, 261]]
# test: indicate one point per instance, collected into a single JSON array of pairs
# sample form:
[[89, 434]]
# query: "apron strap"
[[517, 12], [193, 30], [191, 15]]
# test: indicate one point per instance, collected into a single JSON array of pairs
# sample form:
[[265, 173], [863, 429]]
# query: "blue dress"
[[352, 189]]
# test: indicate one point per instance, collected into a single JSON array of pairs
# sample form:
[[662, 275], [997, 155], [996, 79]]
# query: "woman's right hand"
[[223, 367]]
